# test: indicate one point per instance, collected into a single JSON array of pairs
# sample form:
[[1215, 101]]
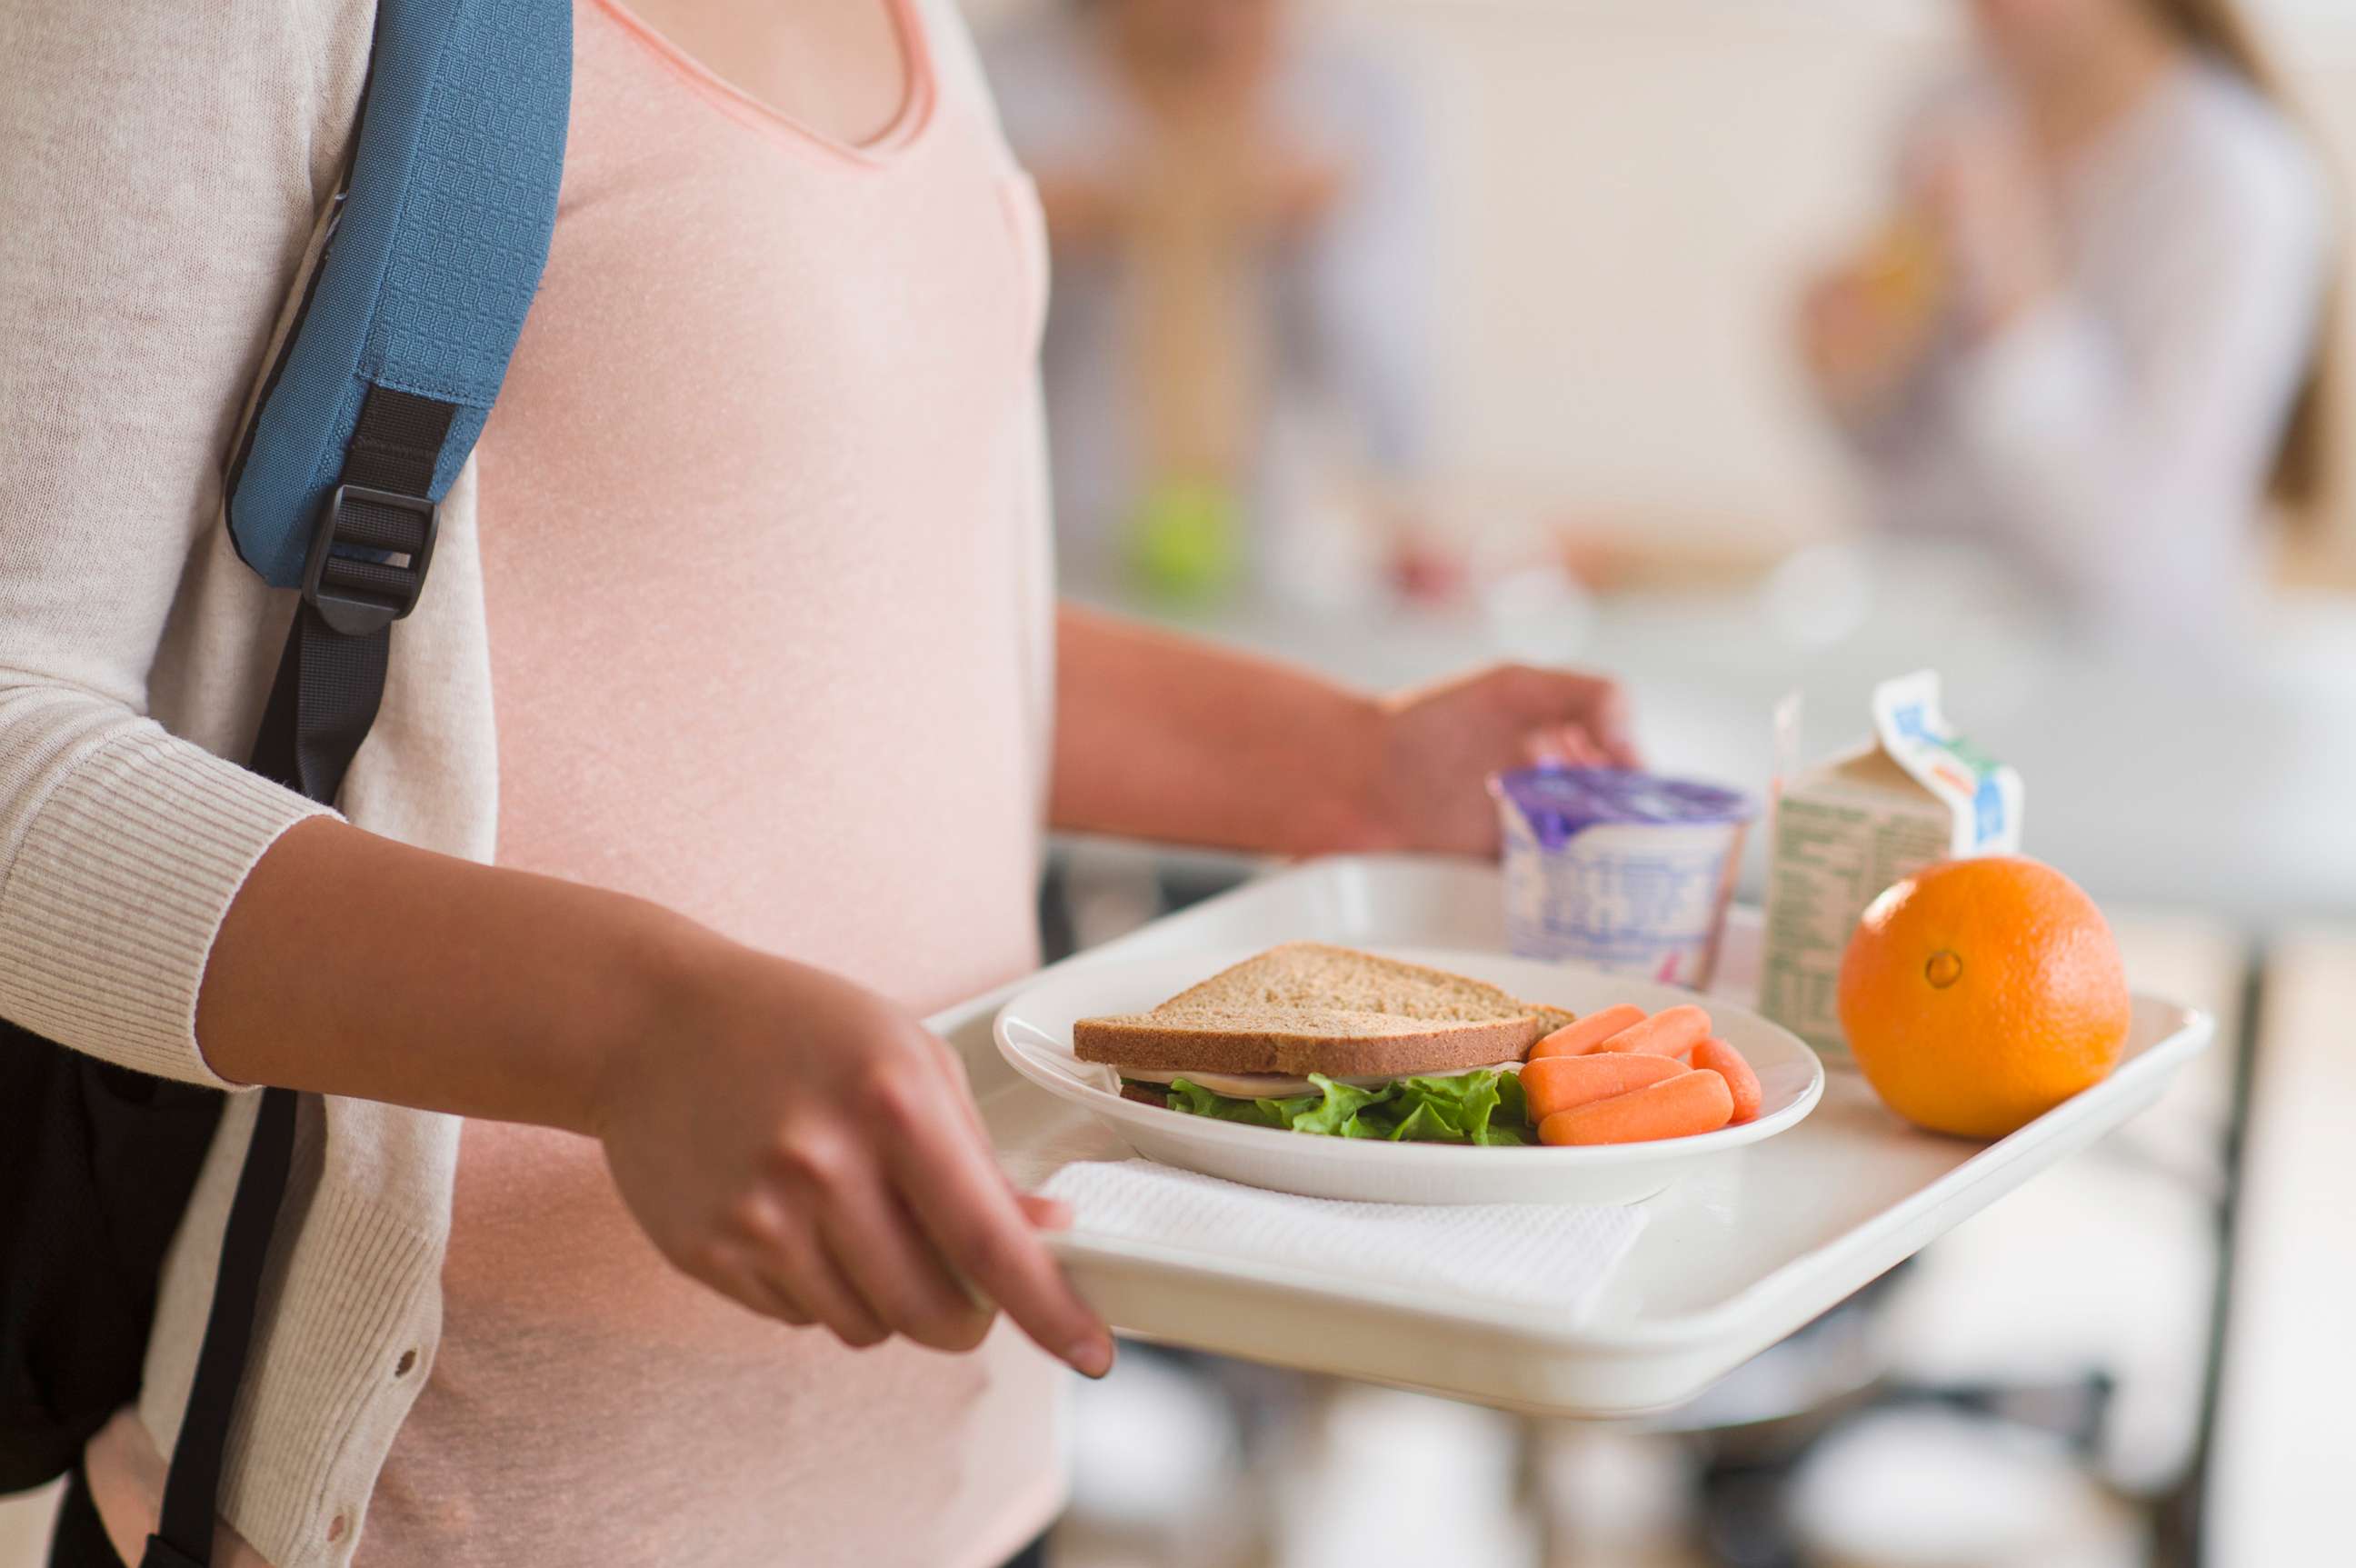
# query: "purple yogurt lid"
[[1558, 801]]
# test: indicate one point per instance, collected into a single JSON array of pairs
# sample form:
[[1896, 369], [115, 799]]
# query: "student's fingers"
[[1557, 702], [1047, 1213], [1608, 723], [875, 1244], [1563, 745], [952, 1071], [791, 1262], [732, 1263], [768, 1250], [953, 1066], [733, 1275], [962, 1201]]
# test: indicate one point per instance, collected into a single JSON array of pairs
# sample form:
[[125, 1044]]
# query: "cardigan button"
[[335, 1528], [408, 1361]]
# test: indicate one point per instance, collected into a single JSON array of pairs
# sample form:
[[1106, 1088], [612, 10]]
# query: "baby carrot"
[[1577, 1039], [1557, 1083], [1726, 1062], [1676, 1107], [1671, 1032]]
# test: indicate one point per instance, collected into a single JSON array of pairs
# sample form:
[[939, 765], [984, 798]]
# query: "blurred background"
[[1742, 348]]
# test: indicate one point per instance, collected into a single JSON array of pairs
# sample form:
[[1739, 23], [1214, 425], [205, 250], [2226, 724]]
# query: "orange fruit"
[[1981, 994]]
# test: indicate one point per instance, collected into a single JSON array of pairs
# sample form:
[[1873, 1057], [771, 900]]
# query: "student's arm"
[[787, 1137], [1168, 737], [143, 253]]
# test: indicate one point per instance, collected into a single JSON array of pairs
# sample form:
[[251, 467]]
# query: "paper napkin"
[[1509, 1254]]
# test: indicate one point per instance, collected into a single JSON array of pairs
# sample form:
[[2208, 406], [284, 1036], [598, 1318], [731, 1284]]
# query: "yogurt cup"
[[1623, 871]]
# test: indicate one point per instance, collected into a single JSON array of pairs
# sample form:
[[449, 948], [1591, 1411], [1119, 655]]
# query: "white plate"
[[1033, 1032]]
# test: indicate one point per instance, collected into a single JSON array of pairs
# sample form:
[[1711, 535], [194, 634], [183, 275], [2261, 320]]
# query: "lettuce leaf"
[[1484, 1108], [1196, 1100], [1463, 1109]]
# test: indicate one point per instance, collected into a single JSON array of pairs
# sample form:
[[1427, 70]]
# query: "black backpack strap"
[[365, 569], [184, 1534], [423, 283], [330, 680]]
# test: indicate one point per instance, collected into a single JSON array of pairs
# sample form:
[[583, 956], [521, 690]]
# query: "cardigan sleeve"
[[159, 177]]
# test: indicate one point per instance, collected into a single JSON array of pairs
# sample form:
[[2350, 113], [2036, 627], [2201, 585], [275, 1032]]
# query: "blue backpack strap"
[[380, 393], [435, 255]]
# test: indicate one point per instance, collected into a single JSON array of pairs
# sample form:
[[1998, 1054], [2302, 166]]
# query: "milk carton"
[[1843, 832]]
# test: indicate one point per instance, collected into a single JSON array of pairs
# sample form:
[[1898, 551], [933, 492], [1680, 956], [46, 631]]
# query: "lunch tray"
[[1731, 1260]]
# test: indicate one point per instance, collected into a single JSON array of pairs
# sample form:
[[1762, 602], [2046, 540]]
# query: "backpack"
[[433, 249]]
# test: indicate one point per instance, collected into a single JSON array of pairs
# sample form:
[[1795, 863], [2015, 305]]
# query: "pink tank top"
[[761, 539]]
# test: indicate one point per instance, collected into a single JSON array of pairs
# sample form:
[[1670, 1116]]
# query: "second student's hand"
[[1429, 750], [1865, 329], [803, 1146]]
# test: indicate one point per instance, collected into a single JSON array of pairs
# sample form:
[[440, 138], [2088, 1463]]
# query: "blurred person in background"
[[2093, 334], [1235, 209]]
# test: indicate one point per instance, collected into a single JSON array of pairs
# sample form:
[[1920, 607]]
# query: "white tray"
[[1732, 1260]]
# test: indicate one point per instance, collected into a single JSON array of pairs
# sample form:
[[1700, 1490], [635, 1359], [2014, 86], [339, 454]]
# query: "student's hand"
[[1439, 744], [1863, 331], [799, 1145]]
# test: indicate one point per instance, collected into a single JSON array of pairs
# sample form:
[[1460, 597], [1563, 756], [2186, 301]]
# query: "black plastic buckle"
[[358, 595]]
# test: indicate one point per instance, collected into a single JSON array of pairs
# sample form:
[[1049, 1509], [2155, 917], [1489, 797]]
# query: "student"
[[2094, 337], [1236, 202], [631, 1204]]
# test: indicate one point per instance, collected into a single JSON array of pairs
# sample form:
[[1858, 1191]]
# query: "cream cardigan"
[[161, 174]]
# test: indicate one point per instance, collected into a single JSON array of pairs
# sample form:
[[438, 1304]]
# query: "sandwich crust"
[[1308, 1007], [1143, 1041]]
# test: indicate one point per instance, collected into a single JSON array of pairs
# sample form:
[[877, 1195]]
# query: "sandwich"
[[1323, 1039]]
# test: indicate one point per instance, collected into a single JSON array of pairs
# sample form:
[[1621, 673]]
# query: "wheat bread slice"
[[1309, 1007]]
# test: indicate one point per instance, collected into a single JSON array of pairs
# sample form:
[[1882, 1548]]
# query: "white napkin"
[[1515, 1253]]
